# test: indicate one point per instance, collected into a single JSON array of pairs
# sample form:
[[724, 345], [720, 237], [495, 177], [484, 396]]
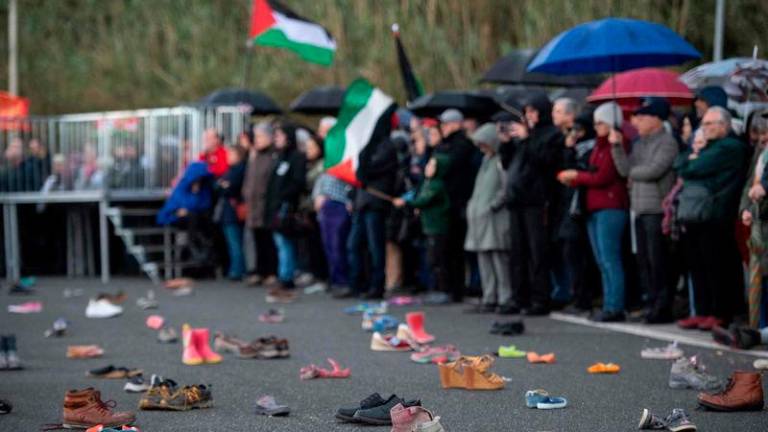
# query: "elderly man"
[[712, 174], [649, 170], [564, 112]]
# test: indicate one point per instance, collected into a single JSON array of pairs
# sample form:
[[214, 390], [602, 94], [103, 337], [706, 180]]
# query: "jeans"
[[367, 228], [606, 230], [233, 234], [334, 228], [286, 258]]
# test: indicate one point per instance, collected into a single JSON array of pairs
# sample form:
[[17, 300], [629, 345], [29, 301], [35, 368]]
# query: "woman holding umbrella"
[[607, 204]]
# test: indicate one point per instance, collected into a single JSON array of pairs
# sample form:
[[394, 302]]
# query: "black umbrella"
[[260, 103], [511, 69], [323, 100], [471, 104]]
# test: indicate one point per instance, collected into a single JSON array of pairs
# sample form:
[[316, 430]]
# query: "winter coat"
[[314, 171], [183, 196], [606, 189], [229, 190], [570, 226], [649, 170], [460, 177], [719, 168], [254, 192], [286, 183], [488, 230], [377, 169], [433, 201], [216, 160]]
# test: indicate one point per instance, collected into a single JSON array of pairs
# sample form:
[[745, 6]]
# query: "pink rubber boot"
[[415, 321]]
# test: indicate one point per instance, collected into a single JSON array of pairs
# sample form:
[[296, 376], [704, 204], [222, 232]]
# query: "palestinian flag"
[[413, 87], [364, 120], [273, 24]]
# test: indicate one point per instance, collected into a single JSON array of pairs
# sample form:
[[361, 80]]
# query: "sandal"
[[314, 371], [544, 358]]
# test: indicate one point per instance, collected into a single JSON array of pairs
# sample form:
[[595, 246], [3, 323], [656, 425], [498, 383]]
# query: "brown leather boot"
[[84, 409], [744, 393]]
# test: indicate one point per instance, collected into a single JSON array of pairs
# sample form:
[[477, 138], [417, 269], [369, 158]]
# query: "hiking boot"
[[379, 415], [678, 421], [405, 419], [102, 308], [184, 399], [743, 393], [84, 409], [159, 389], [348, 414], [12, 361], [649, 421], [689, 373], [111, 372], [736, 336]]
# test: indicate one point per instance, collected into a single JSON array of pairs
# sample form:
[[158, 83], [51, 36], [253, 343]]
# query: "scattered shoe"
[[137, 384], [381, 342], [710, 322], [202, 341], [384, 323], [182, 291], [511, 352], [84, 409], [740, 337], [688, 373], [112, 372], [184, 399], [379, 415], [313, 371], [315, 288], [348, 414], [437, 299], [19, 289], [26, 308], [58, 330], [403, 301], [760, 364], [190, 356], [280, 295], [669, 352], [430, 426], [266, 405], [253, 280], [155, 322], [678, 421], [440, 354], [177, 283], [265, 349], [744, 392], [543, 358], [102, 308], [167, 335], [10, 359], [101, 428], [604, 368], [509, 328], [372, 308], [470, 373], [415, 321], [272, 316], [159, 389], [540, 399], [649, 421], [5, 407], [690, 323], [115, 299], [407, 419], [148, 302], [84, 351]]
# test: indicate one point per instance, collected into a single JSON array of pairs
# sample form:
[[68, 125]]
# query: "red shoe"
[[709, 323], [415, 322], [202, 341], [690, 323], [190, 356]]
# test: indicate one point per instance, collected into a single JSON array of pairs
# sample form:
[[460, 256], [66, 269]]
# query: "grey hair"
[[725, 115], [328, 121], [570, 105]]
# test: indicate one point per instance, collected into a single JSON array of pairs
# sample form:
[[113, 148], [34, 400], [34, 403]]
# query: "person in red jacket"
[[607, 203], [214, 153]]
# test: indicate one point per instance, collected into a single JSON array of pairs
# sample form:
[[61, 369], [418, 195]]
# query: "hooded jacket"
[[183, 196], [286, 183], [433, 201], [460, 176], [606, 189], [377, 169]]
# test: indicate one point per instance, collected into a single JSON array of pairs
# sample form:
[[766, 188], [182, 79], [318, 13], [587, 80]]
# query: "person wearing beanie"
[[259, 166], [607, 204], [707, 97], [649, 169]]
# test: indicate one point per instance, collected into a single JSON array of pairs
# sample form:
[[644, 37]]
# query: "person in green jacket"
[[434, 213]]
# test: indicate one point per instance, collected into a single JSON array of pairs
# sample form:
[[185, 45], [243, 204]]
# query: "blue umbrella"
[[612, 45]]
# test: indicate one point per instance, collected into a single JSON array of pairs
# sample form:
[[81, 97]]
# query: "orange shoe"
[[604, 368], [544, 358], [470, 373], [190, 356], [202, 341]]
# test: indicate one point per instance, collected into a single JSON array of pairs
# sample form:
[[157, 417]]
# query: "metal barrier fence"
[[121, 150]]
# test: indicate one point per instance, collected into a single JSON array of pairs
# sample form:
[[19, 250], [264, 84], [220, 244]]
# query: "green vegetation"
[[87, 55]]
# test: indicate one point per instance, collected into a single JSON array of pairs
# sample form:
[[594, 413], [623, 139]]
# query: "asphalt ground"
[[317, 328]]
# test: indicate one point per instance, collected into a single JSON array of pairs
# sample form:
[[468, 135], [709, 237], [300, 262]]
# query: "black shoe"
[[348, 414], [509, 328], [508, 309], [375, 295], [659, 317], [19, 289], [537, 310], [481, 309], [608, 317], [746, 338], [5, 407], [379, 415], [575, 309], [343, 293], [558, 305]]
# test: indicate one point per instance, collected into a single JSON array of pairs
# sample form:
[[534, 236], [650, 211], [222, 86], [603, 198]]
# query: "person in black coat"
[[459, 183], [230, 199], [283, 193]]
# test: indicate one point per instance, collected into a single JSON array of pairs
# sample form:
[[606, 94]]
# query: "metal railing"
[[142, 150]]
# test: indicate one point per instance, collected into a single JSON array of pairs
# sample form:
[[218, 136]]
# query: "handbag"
[[696, 203]]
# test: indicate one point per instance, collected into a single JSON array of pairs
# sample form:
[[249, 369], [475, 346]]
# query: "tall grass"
[[82, 55]]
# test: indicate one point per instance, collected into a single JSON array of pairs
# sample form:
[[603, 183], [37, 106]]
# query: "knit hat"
[[608, 113], [451, 115], [486, 134], [264, 126]]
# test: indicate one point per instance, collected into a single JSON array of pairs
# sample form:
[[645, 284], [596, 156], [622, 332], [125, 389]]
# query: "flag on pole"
[[364, 120], [413, 87], [273, 24]]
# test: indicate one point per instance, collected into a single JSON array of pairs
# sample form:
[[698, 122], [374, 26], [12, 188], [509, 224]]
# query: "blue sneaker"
[[385, 323], [533, 397]]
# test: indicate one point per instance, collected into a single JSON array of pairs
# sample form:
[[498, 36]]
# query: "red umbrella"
[[627, 88]]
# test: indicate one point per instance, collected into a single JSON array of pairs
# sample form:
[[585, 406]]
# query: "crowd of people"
[[534, 209]]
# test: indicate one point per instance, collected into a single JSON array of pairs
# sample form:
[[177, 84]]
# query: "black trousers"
[[713, 260], [266, 253], [455, 262], [529, 267], [578, 260], [653, 259], [437, 257]]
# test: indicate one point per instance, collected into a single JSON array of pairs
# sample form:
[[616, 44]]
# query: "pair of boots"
[[197, 347], [9, 360], [84, 409]]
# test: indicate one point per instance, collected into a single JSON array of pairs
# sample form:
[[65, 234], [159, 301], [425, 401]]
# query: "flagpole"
[[246, 62]]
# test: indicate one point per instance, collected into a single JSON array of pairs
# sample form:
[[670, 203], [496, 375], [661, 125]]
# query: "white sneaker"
[[102, 309], [761, 364], [669, 352]]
